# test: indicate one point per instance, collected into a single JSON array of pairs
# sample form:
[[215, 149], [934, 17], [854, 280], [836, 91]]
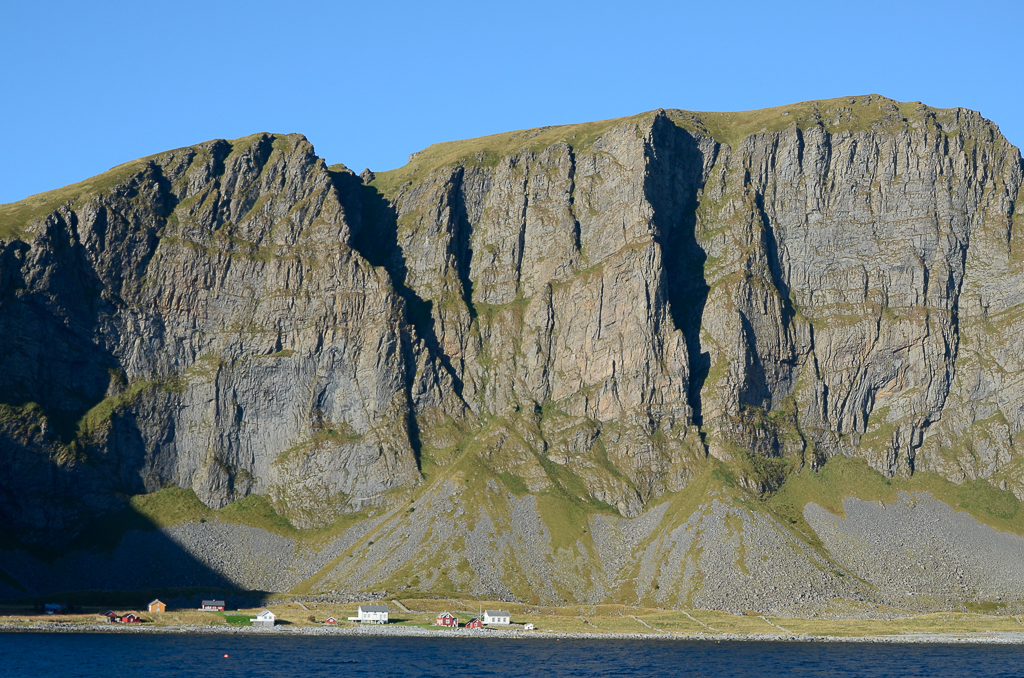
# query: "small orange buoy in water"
[[225, 656]]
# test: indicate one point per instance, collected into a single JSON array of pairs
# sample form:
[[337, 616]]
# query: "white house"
[[265, 618], [497, 617], [371, 614]]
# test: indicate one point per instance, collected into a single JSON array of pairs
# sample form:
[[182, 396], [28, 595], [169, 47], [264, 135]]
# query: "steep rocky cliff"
[[200, 321], [596, 313]]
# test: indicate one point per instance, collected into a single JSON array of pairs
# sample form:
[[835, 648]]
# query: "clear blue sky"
[[88, 85]]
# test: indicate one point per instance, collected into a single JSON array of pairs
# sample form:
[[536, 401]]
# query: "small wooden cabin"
[[447, 619], [213, 605], [475, 624], [157, 606], [331, 621]]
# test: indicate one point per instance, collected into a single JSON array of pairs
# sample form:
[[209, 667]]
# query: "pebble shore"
[[999, 638]]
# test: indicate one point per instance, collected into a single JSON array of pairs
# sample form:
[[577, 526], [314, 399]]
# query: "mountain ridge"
[[584, 321]]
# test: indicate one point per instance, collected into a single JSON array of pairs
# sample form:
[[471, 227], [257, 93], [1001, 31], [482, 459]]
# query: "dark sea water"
[[70, 655]]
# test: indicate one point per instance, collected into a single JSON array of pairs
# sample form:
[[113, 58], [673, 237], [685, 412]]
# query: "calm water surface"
[[96, 654]]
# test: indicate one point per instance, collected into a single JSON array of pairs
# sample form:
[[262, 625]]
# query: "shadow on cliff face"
[[375, 237], [55, 369], [462, 232], [69, 450], [49, 357], [676, 167], [119, 552], [374, 223]]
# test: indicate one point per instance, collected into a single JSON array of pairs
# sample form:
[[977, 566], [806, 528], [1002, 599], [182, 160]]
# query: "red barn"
[[130, 619], [447, 619], [475, 624]]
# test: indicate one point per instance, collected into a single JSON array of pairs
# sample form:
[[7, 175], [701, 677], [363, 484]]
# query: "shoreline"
[[980, 638]]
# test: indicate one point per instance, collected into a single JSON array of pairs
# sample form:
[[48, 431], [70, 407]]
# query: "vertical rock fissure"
[[462, 232], [377, 241], [375, 237], [674, 179], [572, 200], [521, 247]]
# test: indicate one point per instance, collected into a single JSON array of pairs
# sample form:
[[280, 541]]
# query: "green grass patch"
[[238, 619], [101, 413], [21, 422], [170, 506], [514, 484], [842, 477], [257, 511], [144, 512]]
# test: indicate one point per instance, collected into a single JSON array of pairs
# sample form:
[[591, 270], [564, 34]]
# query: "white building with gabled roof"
[[371, 614], [503, 617], [265, 618]]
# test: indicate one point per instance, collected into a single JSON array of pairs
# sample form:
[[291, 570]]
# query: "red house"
[[475, 624], [447, 619], [213, 605], [130, 619], [331, 621]]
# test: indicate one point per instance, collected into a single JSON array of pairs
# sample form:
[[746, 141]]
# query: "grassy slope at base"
[[841, 478], [567, 517]]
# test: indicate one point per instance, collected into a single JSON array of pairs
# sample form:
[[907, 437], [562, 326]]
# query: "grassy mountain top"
[[844, 114], [15, 217]]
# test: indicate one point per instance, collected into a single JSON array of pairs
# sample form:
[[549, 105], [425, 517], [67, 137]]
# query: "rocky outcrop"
[[202, 323], [796, 294], [589, 310]]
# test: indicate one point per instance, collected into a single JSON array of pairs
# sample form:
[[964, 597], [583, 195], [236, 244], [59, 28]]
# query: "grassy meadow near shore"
[[612, 620]]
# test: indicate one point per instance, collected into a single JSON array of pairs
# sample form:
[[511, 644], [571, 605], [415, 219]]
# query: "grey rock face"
[[210, 327], [803, 293], [596, 307]]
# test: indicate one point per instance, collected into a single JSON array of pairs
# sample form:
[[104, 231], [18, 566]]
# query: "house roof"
[[266, 614], [497, 613], [446, 614], [155, 601], [373, 608], [213, 602]]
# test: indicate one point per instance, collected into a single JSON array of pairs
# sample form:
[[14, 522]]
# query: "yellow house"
[[157, 606]]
